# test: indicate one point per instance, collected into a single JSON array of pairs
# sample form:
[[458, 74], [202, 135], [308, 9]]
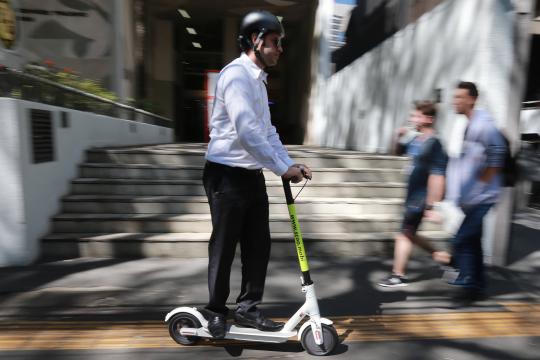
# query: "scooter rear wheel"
[[183, 320], [330, 341]]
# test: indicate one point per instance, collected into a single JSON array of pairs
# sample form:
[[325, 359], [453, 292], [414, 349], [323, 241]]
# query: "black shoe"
[[217, 326], [257, 320]]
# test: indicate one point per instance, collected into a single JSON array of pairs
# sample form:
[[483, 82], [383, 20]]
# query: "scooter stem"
[[299, 243]]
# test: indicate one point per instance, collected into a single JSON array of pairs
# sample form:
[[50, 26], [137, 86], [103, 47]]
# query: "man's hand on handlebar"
[[294, 174], [306, 171]]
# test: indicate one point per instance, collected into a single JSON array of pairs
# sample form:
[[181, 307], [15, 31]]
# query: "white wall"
[[530, 121], [459, 40], [483, 41], [12, 220], [30, 192]]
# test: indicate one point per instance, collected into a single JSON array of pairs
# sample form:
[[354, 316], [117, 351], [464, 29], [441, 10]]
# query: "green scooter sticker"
[[298, 239]]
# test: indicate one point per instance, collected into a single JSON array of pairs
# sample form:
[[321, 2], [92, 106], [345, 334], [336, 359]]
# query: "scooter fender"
[[190, 310], [308, 323]]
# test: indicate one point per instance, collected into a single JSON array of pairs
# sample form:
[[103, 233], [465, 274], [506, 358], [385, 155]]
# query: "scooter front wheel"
[[183, 320], [330, 340]]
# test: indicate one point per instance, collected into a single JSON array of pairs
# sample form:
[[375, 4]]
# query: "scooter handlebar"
[[287, 186], [304, 174]]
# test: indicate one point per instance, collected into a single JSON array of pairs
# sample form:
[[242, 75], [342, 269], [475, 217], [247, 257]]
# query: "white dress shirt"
[[241, 132]]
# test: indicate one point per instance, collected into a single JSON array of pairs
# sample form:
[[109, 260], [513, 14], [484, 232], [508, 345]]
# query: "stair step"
[[203, 237], [174, 223], [149, 201], [367, 189], [183, 156], [122, 204], [188, 245], [140, 171], [190, 172]]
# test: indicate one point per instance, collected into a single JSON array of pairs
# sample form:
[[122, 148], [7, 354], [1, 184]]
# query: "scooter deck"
[[243, 333]]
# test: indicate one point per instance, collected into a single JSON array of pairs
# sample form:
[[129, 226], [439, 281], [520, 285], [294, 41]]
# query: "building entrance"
[[201, 35]]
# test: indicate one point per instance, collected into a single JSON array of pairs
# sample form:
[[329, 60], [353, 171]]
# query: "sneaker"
[[394, 281]]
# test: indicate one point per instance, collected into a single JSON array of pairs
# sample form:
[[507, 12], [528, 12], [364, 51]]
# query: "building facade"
[[347, 78]]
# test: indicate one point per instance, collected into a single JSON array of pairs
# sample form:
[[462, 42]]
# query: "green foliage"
[[16, 93], [68, 78], [71, 79], [147, 105]]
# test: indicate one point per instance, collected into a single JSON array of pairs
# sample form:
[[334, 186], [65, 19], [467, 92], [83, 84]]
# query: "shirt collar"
[[253, 69], [478, 115]]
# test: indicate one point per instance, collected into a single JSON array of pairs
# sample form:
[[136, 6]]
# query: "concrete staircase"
[[149, 201]]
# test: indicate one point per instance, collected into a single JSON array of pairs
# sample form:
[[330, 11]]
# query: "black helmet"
[[260, 22]]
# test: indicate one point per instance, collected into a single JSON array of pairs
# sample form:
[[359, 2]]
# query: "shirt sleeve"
[[439, 159], [275, 141], [495, 146], [240, 101]]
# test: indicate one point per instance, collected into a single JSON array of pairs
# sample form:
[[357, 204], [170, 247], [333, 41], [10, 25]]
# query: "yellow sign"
[[7, 24]]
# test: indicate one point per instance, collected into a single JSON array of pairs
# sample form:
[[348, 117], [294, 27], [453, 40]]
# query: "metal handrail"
[[530, 104], [9, 89]]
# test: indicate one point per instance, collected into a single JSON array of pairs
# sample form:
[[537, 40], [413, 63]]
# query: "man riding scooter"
[[243, 141]]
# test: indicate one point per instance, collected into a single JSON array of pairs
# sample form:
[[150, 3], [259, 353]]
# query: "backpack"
[[509, 170]]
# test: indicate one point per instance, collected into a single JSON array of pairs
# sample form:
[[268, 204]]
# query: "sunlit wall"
[[360, 106], [92, 38]]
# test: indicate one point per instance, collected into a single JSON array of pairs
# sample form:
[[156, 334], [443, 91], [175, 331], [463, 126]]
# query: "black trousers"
[[239, 209]]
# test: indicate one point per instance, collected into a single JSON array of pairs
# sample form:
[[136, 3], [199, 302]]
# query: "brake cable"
[[302, 188]]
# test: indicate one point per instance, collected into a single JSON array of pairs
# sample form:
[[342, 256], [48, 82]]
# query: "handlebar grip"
[[287, 188], [304, 174], [303, 171]]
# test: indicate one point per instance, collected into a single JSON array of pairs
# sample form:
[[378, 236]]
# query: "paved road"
[[114, 309], [512, 332]]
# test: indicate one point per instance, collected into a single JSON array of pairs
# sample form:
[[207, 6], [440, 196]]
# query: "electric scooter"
[[317, 334]]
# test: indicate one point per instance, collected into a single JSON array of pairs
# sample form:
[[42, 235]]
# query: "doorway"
[[205, 33]]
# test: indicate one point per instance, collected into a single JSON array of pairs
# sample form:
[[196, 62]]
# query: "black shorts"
[[411, 222]]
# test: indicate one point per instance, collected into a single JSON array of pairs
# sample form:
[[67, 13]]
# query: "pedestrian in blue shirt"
[[425, 187], [243, 141], [478, 181]]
